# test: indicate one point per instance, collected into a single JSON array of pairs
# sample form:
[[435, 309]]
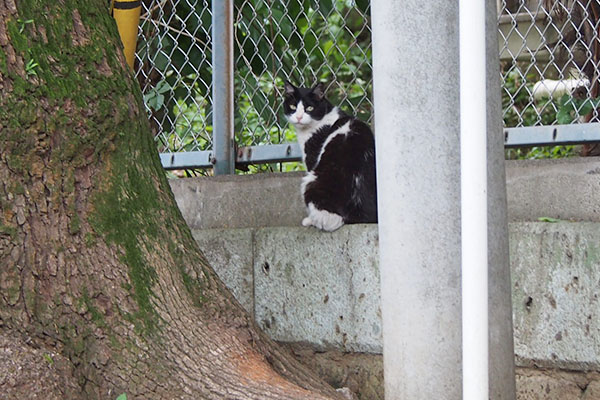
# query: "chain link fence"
[[305, 42], [549, 52], [302, 41], [173, 68]]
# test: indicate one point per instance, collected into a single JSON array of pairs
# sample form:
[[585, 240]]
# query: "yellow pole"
[[127, 15]]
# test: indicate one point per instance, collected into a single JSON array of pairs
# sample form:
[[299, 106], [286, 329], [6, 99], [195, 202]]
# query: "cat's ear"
[[319, 90], [289, 89]]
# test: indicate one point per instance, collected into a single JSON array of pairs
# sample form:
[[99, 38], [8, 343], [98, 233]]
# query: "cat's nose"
[[299, 117]]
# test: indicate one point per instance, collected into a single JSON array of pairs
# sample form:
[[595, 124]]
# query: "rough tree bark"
[[102, 288]]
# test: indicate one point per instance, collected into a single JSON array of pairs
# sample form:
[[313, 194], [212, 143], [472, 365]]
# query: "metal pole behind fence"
[[222, 64]]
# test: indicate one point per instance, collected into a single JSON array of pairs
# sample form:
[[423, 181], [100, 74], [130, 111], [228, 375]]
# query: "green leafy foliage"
[[541, 152], [548, 219], [30, 67], [570, 108], [23, 23], [304, 41], [155, 98], [520, 109]]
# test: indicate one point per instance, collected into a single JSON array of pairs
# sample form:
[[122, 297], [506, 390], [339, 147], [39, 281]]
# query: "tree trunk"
[[102, 288]]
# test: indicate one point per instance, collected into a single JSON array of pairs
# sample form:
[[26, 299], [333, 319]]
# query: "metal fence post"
[[222, 88]]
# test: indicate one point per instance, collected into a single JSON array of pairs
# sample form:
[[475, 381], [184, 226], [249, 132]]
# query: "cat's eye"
[[310, 108], [293, 107]]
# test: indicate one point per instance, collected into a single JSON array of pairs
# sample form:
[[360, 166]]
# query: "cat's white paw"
[[322, 219], [330, 222]]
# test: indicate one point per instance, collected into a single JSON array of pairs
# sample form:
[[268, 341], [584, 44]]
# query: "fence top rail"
[[549, 68], [552, 135]]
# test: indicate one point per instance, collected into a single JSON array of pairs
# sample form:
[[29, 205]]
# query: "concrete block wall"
[[304, 285], [556, 284]]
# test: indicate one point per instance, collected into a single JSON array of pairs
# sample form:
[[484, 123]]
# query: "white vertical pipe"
[[474, 230]]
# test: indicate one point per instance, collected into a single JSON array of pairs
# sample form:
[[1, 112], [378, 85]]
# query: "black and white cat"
[[339, 153]]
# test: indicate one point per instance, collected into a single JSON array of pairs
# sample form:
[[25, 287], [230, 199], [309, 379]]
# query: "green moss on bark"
[[97, 316], [87, 110], [122, 214], [8, 230], [94, 118]]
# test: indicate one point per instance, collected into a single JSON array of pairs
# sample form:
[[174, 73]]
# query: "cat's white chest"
[[304, 132], [303, 135]]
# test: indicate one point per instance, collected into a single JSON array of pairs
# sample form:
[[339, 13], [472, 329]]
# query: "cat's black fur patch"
[[343, 164]]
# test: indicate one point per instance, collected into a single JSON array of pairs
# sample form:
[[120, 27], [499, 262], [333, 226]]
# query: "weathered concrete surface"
[[566, 188], [303, 280], [322, 289], [556, 284], [240, 201], [418, 183]]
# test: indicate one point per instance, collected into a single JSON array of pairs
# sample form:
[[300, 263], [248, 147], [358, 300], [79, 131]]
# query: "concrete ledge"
[[303, 285], [323, 288], [240, 201], [567, 188], [556, 283], [564, 189], [319, 288]]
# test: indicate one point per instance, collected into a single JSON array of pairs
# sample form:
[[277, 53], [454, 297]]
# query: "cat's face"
[[304, 106]]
